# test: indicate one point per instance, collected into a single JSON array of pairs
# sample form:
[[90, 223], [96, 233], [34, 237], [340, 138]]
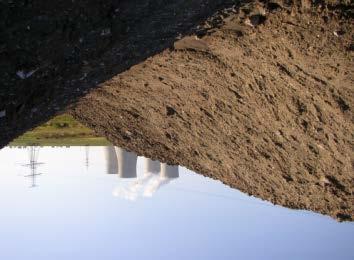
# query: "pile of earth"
[[258, 95]]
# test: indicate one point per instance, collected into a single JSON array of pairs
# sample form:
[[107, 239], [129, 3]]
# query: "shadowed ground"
[[53, 53]]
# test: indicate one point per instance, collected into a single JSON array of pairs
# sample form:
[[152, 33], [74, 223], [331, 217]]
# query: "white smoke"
[[132, 191], [155, 176], [154, 185]]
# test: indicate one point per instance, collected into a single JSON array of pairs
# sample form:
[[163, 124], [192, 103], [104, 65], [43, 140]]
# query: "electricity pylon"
[[33, 164]]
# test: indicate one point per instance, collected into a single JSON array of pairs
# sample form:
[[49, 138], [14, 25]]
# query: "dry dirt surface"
[[263, 102], [258, 95], [53, 52]]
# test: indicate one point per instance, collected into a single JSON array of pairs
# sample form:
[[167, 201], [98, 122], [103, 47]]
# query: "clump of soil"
[[258, 95]]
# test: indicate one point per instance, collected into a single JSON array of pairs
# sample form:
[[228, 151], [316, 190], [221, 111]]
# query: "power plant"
[[124, 164]]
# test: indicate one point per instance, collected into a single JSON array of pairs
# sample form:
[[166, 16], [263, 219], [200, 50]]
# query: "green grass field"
[[62, 130]]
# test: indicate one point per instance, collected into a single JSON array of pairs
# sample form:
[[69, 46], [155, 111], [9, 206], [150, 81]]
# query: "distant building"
[[169, 171], [151, 167], [111, 160], [126, 163]]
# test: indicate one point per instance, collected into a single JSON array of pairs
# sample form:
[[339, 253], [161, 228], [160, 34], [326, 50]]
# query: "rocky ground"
[[257, 94]]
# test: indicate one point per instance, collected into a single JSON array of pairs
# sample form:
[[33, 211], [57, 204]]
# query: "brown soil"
[[66, 48], [264, 109], [260, 96]]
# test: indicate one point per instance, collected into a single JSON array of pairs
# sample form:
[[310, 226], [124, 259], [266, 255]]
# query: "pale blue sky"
[[73, 214]]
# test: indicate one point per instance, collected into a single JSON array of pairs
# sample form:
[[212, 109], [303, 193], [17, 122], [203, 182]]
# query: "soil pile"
[[258, 95], [262, 103], [52, 53]]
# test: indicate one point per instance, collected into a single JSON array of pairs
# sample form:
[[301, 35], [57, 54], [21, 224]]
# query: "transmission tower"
[[33, 152]]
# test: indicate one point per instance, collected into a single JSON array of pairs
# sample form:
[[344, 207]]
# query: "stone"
[[2, 113]]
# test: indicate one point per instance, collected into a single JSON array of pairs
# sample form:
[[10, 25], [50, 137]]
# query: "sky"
[[79, 211]]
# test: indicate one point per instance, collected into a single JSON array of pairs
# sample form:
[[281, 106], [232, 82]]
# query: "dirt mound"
[[263, 103], [258, 95], [52, 53]]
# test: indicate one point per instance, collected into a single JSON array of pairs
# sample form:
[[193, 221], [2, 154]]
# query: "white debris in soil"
[[335, 33], [248, 22], [2, 113], [24, 75], [106, 31], [83, 77]]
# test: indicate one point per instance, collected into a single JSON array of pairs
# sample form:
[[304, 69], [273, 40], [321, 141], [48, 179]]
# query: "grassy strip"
[[62, 130]]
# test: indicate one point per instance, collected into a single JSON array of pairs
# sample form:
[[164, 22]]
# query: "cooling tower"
[[126, 163], [151, 166], [111, 160], [169, 171]]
